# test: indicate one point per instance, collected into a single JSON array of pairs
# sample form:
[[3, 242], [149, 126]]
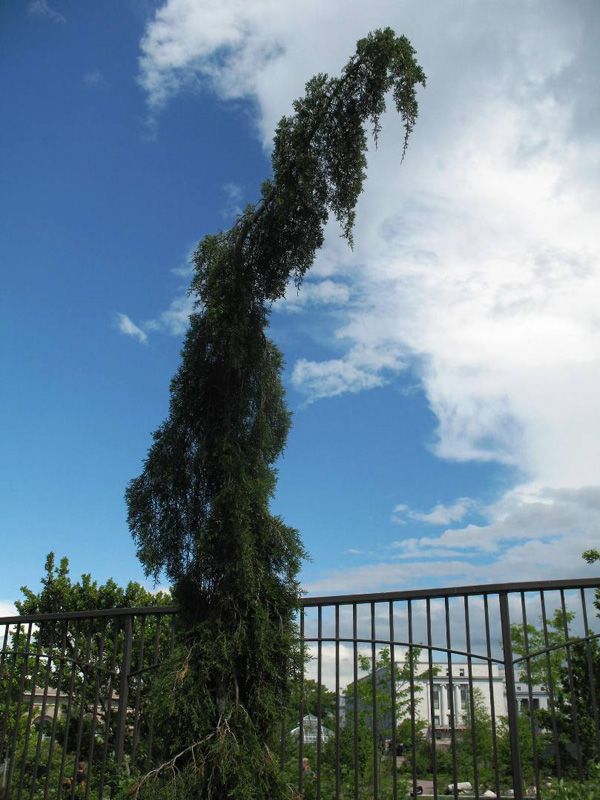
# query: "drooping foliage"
[[199, 511]]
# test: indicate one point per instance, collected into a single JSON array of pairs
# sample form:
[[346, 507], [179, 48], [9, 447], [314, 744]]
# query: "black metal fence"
[[471, 690]]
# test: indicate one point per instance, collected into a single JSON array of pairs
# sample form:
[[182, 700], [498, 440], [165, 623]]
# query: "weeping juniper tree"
[[199, 512]]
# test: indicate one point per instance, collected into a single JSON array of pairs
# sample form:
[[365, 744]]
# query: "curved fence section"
[[474, 691], [76, 711]]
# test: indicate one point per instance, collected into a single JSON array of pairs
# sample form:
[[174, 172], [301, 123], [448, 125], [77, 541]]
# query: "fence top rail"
[[337, 600], [452, 591], [91, 614]]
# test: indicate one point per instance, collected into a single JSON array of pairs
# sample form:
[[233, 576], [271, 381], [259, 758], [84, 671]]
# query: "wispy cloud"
[[175, 319], [234, 195], [41, 8], [439, 515], [314, 293], [129, 328], [94, 78]]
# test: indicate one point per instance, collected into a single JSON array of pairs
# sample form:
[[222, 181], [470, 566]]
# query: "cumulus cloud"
[[331, 378], [439, 515], [41, 8], [544, 516], [129, 328], [477, 261]]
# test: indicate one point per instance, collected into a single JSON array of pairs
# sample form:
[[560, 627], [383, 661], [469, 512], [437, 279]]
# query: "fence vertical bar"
[[451, 698], [155, 661], [42, 715], [136, 715], [355, 699], [571, 685], [550, 686], [536, 765], [374, 726], [56, 713], [411, 668], [124, 689], [471, 698], [488, 643], [337, 703], [71, 690], [393, 699], [85, 669], [108, 707], [511, 697], [301, 731], [433, 692], [319, 712], [92, 739], [32, 697]]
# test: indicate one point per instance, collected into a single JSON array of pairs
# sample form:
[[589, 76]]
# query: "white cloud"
[[330, 378], [314, 293], [544, 515], [439, 515], [40, 8], [234, 195], [129, 328], [175, 319], [382, 575], [7, 609], [480, 255], [478, 259]]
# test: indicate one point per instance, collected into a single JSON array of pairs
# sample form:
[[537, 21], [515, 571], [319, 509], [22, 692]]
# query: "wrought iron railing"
[[454, 691]]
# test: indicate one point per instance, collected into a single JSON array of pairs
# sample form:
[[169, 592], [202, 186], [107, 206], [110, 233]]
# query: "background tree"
[[475, 743], [544, 670], [376, 738], [68, 664], [199, 511], [578, 708]]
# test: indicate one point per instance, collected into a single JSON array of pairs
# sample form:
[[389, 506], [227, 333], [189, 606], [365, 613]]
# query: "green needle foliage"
[[199, 512]]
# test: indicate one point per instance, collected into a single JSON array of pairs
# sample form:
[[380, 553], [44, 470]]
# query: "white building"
[[488, 683], [448, 693]]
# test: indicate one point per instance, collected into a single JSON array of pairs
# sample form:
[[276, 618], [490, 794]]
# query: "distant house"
[[443, 701], [310, 730]]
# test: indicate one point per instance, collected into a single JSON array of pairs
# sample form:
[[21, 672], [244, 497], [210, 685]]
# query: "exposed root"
[[171, 764]]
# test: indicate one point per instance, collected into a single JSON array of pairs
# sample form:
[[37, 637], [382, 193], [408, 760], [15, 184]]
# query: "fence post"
[[511, 698], [124, 689]]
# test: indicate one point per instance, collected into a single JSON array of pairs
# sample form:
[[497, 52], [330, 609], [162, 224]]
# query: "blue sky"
[[443, 375]]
